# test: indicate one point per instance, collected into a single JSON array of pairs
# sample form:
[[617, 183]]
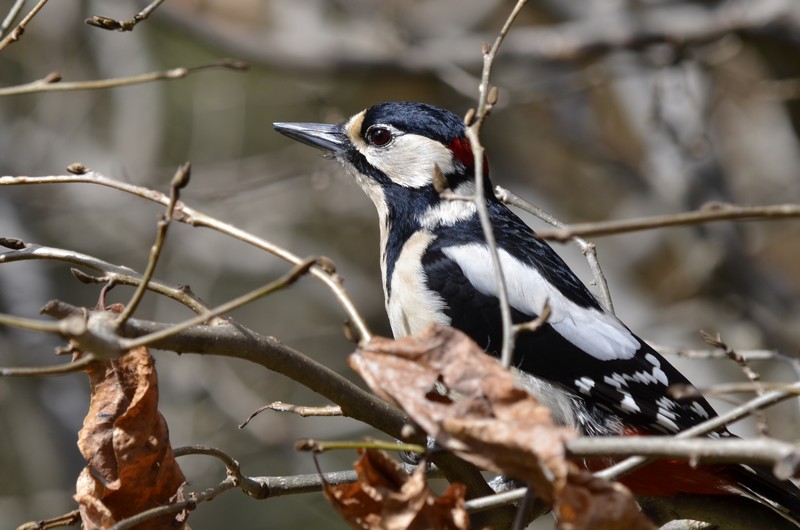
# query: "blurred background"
[[609, 109]]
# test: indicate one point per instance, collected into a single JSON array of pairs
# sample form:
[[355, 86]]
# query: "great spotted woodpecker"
[[585, 364]]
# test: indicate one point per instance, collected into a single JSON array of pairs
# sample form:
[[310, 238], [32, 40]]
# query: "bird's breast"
[[410, 303]]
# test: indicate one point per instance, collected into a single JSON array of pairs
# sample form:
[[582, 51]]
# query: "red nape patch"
[[462, 152]]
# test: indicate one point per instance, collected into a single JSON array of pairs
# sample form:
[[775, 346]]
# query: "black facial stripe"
[[418, 118]]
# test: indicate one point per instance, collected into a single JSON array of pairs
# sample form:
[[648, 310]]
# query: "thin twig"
[[12, 14], [179, 181], [536, 323], [706, 214], [588, 249], [72, 518], [17, 32], [59, 369], [320, 446], [62, 327], [284, 281], [194, 499], [114, 274], [521, 517], [748, 372], [710, 425], [300, 410], [52, 82], [760, 451], [326, 274], [724, 389], [634, 462], [99, 21], [486, 99]]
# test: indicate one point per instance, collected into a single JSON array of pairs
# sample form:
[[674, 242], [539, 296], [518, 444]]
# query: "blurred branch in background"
[[53, 83]]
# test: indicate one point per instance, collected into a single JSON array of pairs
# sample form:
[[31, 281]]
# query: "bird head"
[[400, 149]]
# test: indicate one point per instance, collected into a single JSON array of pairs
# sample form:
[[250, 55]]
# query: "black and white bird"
[[586, 365]]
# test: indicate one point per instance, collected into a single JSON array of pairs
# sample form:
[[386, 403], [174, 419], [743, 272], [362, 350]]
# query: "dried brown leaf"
[[386, 498], [125, 441], [469, 403], [591, 503]]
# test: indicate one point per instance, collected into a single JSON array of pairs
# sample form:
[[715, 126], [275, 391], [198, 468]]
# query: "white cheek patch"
[[597, 333], [412, 305], [409, 160]]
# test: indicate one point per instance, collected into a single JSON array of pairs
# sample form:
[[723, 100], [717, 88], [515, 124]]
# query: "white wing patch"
[[597, 333], [658, 373], [585, 385], [412, 306]]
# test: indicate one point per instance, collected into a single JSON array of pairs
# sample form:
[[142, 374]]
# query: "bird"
[[587, 366]]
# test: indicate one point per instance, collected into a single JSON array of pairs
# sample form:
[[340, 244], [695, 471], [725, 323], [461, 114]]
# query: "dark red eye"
[[379, 136]]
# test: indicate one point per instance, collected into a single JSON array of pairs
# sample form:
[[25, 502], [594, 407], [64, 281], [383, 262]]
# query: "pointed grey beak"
[[320, 135]]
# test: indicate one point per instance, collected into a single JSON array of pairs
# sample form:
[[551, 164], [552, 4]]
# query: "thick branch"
[[234, 341]]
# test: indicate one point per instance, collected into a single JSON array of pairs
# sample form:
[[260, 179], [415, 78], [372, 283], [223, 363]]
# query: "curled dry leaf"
[[469, 403], [472, 406], [125, 441], [386, 498], [591, 503]]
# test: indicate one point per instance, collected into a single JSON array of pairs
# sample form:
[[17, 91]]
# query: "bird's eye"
[[379, 136]]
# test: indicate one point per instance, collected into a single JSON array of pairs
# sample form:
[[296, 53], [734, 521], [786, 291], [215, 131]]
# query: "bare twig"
[[486, 99], [194, 499], [72, 518], [682, 445], [304, 411], [521, 517], [111, 24], [748, 372], [724, 389], [536, 323], [706, 214], [710, 425], [326, 274], [252, 487], [17, 32], [110, 274], [284, 281], [52, 82], [761, 451], [321, 446], [59, 369], [11, 16], [179, 181], [296, 484], [589, 250], [235, 341]]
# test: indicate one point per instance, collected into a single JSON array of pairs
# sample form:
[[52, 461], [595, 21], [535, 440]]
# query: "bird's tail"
[[760, 484]]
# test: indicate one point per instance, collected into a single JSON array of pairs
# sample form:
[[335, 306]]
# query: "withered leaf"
[[385, 498], [125, 440], [591, 503], [486, 419]]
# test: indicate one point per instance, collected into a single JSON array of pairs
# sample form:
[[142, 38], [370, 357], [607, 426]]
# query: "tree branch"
[[52, 82], [708, 213]]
